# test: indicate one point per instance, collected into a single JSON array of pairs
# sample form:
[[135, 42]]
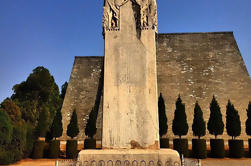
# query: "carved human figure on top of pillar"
[[147, 14]]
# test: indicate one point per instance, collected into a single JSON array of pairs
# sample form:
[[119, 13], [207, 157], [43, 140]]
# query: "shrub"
[[6, 157], [72, 128], [30, 140], [217, 148], [199, 148], [249, 147], [236, 148], [54, 149], [38, 150], [43, 122], [71, 149], [56, 127], [180, 126], [215, 124], [163, 127], [199, 128], [248, 121], [6, 128], [91, 129], [233, 123], [181, 145], [90, 143], [164, 143]]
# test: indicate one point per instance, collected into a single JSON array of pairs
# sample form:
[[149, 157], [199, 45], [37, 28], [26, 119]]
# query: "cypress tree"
[[72, 128], [233, 123], [180, 126], [91, 129], [163, 127], [56, 127], [215, 124], [199, 128], [43, 122], [248, 121]]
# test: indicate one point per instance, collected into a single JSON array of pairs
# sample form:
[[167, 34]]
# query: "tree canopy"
[[6, 128], [163, 127], [72, 128], [43, 122], [248, 121], [215, 124], [180, 126], [233, 123], [63, 90], [91, 129], [199, 125], [12, 110]]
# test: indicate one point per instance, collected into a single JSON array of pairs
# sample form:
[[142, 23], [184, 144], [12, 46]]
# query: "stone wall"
[[194, 65]]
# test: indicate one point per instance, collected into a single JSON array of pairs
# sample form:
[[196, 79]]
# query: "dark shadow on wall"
[[91, 129]]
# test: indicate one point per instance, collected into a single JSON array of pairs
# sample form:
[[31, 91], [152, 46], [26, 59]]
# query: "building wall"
[[194, 65]]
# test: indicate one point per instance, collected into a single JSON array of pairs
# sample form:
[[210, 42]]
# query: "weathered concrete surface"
[[196, 65], [127, 157], [130, 116]]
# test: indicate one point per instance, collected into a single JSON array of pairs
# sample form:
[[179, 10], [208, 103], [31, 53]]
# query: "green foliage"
[[54, 149], [71, 149], [30, 139], [6, 157], [248, 121], [56, 127], [63, 90], [215, 124], [6, 128], [72, 128], [181, 145], [38, 150], [217, 148], [199, 125], [180, 126], [37, 91], [199, 148], [162, 116], [43, 123], [91, 129], [12, 110], [233, 123], [236, 148]]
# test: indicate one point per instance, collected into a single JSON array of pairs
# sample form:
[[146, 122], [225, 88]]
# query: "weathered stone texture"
[[195, 65], [198, 66], [82, 93]]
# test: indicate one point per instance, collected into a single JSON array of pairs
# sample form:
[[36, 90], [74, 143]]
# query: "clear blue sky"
[[50, 33]]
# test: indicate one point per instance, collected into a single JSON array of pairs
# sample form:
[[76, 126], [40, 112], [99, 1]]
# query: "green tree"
[[248, 121], [180, 126], [63, 90], [12, 110], [163, 127], [91, 129], [215, 124], [72, 128], [56, 127], [37, 91], [199, 125], [233, 123], [43, 122], [6, 128]]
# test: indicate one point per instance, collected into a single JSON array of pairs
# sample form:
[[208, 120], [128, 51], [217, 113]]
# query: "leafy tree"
[[199, 125], [37, 91], [6, 128], [72, 128], [233, 123], [163, 127], [63, 90], [56, 127], [248, 121], [180, 126], [43, 122], [91, 129], [215, 124], [12, 110]]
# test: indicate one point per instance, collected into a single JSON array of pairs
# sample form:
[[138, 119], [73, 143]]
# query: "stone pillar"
[[130, 115]]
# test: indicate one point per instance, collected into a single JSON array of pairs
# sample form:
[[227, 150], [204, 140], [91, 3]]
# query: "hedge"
[[164, 143], [54, 149], [217, 148], [71, 149], [38, 149], [199, 148], [181, 145], [236, 148], [90, 143]]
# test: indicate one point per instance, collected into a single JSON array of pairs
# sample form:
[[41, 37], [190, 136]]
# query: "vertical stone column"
[[130, 116]]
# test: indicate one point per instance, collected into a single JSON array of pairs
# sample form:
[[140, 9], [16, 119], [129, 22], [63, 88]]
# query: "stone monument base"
[[129, 157]]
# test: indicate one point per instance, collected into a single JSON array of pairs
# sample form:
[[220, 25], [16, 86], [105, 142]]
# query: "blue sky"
[[50, 33]]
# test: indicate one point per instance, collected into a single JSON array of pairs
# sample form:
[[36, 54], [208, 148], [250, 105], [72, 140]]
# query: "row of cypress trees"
[[215, 124]]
